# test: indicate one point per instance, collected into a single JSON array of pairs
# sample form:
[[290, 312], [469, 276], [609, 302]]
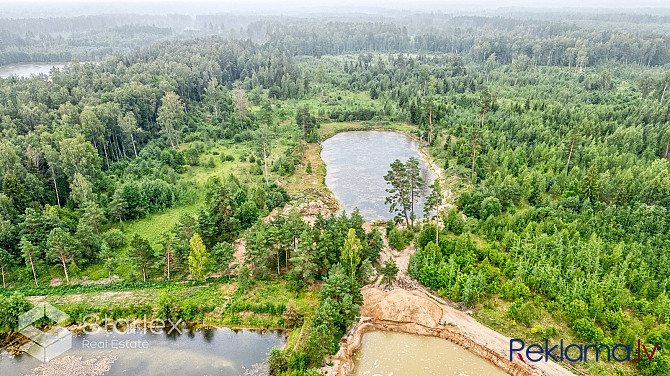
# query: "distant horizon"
[[42, 8]]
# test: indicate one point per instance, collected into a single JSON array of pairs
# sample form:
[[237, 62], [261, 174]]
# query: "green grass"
[[154, 225]]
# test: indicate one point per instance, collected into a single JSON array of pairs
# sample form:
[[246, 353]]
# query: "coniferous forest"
[[171, 156]]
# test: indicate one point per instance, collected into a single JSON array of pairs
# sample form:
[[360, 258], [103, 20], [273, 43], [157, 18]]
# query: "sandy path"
[[420, 312], [409, 307]]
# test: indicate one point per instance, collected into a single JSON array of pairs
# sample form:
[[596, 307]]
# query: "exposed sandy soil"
[[408, 307], [419, 312]]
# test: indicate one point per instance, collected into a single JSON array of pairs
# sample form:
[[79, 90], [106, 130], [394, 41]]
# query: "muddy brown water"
[[399, 354]]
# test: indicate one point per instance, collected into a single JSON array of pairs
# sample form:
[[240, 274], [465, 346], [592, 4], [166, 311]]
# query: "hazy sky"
[[377, 3], [42, 8]]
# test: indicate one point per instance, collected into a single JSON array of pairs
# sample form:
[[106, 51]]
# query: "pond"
[[193, 352], [356, 163], [27, 69], [398, 354]]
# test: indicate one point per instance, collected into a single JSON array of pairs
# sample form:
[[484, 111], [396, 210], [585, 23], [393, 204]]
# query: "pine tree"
[[5, 262], [109, 260], [30, 255], [433, 202], [223, 255], [399, 198], [61, 247], [141, 255], [389, 272], [303, 260], [244, 278], [415, 182]]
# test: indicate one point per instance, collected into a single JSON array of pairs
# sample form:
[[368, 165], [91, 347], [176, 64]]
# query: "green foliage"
[[406, 183], [11, 307], [522, 313], [351, 254], [199, 259], [141, 256], [277, 361], [490, 207], [514, 290], [244, 278], [168, 307], [389, 272], [397, 239]]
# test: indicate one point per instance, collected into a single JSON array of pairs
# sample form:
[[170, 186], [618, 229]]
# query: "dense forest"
[[554, 137]]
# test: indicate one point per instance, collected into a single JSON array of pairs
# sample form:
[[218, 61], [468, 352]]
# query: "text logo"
[[579, 353]]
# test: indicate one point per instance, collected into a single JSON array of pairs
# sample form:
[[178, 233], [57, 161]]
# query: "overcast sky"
[[42, 8]]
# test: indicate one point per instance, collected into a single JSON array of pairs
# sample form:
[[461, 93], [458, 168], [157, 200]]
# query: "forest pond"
[[196, 352], [356, 163], [27, 69], [398, 354]]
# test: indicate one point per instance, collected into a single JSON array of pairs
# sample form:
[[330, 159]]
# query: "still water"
[[356, 163], [27, 69], [197, 352], [398, 354]]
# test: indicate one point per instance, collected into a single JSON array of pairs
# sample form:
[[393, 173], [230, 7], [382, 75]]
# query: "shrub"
[[396, 240], [514, 290], [520, 312], [11, 307], [490, 207], [576, 310], [168, 307], [277, 361]]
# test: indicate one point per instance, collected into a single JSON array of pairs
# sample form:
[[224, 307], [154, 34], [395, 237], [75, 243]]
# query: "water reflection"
[[356, 163], [195, 352], [27, 69]]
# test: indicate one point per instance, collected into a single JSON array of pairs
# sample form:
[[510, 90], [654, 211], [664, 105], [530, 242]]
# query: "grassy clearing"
[[154, 225], [216, 300]]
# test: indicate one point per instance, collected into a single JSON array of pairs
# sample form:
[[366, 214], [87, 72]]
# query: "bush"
[[584, 328], [11, 307], [490, 207], [168, 307], [454, 222], [576, 310], [396, 240], [277, 361], [514, 290], [521, 313]]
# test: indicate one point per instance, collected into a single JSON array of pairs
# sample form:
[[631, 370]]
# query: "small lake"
[[27, 70], [398, 354], [356, 163], [197, 352]]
